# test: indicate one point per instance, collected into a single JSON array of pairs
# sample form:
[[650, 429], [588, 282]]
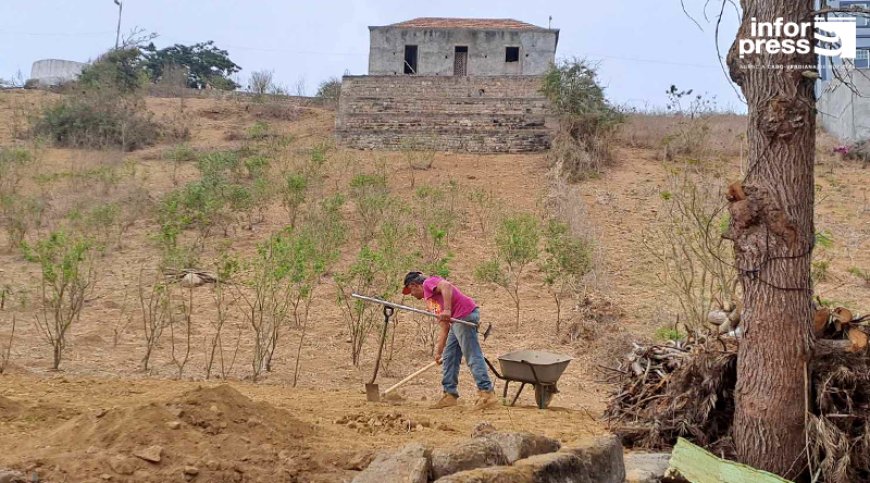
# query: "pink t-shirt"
[[462, 304]]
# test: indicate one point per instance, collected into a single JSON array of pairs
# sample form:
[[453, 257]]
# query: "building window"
[[512, 54], [410, 59], [862, 58]]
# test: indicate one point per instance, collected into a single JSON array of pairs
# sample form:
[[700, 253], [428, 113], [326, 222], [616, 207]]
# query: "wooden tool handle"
[[412, 376]]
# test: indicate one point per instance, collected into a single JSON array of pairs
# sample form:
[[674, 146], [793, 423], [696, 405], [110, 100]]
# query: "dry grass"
[[724, 138]]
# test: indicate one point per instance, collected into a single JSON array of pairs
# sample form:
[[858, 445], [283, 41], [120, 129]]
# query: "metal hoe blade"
[[373, 393]]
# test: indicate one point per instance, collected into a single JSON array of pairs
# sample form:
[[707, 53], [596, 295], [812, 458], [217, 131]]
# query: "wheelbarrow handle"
[[493, 369]]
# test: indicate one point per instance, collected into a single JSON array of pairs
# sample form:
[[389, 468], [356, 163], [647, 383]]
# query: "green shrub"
[[67, 275], [20, 215], [118, 69], [567, 260], [293, 194], [329, 90], [517, 246], [668, 333], [98, 120]]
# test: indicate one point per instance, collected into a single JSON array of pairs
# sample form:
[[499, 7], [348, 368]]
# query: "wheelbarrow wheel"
[[543, 395]]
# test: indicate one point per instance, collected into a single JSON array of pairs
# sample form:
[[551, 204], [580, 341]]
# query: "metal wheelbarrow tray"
[[539, 368]]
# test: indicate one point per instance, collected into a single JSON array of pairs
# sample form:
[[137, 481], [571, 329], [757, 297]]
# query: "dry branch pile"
[[686, 389], [675, 389]]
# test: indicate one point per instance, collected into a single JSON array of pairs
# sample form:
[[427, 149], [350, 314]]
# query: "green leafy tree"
[[67, 275], [517, 246], [206, 64], [566, 260], [119, 69]]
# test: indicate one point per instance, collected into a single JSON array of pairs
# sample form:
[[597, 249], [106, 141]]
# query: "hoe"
[[372, 390]]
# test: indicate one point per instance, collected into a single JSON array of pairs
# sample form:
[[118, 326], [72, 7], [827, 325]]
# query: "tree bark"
[[772, 231]]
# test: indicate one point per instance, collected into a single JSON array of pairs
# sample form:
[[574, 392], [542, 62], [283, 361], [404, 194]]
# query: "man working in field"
[[454, 340]]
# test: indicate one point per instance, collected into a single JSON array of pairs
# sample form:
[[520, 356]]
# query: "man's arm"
[[446, 290]]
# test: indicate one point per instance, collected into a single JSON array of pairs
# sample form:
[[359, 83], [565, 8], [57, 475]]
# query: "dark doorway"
[[460, 60], [410, 59]]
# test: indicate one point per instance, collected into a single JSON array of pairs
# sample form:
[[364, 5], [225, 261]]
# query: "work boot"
[[446, 401], [485, 399]]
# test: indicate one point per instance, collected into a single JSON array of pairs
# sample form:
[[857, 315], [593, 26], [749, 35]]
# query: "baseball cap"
[[411, 277]]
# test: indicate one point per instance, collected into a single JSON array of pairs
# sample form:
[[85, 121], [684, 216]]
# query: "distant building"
[[461, 46], [53, 72], [451, 84], [844, 110]]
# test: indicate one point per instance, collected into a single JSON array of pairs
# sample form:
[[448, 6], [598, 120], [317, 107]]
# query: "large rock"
[[545, 468], [467, 455], [409, 465], [11, 476], [646, 467], [517, 446], [601, 457]]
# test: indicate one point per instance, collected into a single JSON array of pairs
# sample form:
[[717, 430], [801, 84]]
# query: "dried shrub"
[[695, 262], [329, 91], [587, 121]]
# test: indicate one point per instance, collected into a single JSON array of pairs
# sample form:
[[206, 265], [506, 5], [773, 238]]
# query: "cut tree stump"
[[858, 338]]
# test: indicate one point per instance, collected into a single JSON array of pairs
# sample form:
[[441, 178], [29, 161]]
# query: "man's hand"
[[445, 317], [437, 354]]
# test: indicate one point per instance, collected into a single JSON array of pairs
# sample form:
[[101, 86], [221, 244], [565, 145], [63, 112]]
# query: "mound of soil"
[[211, 434]]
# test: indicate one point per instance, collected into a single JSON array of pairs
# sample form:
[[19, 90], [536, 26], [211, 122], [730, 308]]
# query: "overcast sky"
[[643, 46]]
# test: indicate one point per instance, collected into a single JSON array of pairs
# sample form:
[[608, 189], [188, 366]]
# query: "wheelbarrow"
[[538, 368]]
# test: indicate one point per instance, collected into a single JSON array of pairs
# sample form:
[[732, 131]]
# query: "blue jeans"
[[462, 339]]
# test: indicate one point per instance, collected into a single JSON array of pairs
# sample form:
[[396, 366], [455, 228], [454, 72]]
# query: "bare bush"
[[227, 267], [155, 306], [261, 82], [696, 262], [180, 359], [6, 348]]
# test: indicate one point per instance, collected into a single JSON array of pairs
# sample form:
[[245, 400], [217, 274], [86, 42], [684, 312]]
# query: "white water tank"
[[53, 72]]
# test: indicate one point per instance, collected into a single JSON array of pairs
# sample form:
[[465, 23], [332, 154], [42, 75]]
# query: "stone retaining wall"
[[446, 113]]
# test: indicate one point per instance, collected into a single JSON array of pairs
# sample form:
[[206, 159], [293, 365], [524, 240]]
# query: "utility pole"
[[118, 34], [550, 23]]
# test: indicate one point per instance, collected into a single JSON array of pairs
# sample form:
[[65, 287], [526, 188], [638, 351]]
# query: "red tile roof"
[[467, 23]]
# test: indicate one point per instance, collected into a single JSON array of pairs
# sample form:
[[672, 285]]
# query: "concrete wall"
[[472, 114], [52, 72], [843, 113], [486, 50]]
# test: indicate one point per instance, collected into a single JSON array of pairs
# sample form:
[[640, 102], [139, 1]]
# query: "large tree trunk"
[[772, 231]]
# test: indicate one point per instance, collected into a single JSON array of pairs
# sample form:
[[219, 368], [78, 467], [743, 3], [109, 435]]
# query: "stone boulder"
[[408, 465], [11, 476], [646, 467], [545, 468], [601, 457], [467, 455], [517, 446]]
